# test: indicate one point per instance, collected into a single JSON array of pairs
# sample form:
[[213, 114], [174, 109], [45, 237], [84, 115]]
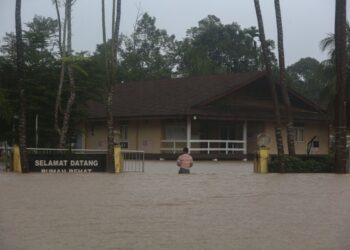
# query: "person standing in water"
[[185, 162]]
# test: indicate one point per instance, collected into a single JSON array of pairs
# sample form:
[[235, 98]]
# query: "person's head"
[[185, 150]]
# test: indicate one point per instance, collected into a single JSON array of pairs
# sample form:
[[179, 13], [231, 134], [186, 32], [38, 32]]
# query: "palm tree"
[[341, 72], [65, 52], [282, 80], [278, 130], [21, 85], [111, 64], [328, 44]]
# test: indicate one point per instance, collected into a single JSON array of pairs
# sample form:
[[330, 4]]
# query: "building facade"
[[211, 115]]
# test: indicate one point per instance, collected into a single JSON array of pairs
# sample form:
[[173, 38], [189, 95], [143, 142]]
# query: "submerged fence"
[[133, 161], [73, 160]]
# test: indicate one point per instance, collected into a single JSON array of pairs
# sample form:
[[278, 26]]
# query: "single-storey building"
[[211, 115]]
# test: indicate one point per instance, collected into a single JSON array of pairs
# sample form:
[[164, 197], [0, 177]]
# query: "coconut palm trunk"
[[341, 88], [72, 86], [111, 65], [278, 130], [21, 86], [282, 80], [65, 51], [62, 49]]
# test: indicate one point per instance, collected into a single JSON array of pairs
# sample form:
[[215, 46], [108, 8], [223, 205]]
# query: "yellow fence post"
[[261, 160], [16, 160], [118, 161]]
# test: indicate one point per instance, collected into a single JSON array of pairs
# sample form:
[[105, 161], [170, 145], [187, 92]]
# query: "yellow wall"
[[310, 130], [147, 135], [133, 135], [142, 135], [150, 136], [96, 136]]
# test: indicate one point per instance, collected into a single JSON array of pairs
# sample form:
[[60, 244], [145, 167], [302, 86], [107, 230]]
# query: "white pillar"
[[83, 136], [245, 137], [188, 133]]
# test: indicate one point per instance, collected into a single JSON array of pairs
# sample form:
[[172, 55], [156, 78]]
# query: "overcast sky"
[[305, 22]]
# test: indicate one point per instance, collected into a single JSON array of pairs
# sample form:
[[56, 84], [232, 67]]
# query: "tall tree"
[[21, 85], [282, 80], [341, 63], [62, 50], [213, 48], [66, 57], [111, 64], [304, 76], [278, 130], [149, 53]]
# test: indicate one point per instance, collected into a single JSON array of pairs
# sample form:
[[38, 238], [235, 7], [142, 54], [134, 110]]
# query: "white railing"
[[226, 146]]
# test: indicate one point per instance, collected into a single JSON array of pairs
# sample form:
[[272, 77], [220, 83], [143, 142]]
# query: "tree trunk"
[[109, 95], [116, 30], [110, 128], [62, 48], [282, 80], [341, 70], [21, 86], [72, 88], [70, 102], [278, 130]]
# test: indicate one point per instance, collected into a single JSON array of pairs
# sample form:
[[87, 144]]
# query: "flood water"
[[220, 205]]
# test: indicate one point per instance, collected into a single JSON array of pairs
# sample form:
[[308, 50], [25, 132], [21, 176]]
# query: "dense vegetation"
[[312, 164], [148, 53]]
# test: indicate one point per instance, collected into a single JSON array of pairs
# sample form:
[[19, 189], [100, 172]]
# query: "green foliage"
[[214, 48], [41, 82], [312, 164], [316, 80], [304, 76], [149, 53]]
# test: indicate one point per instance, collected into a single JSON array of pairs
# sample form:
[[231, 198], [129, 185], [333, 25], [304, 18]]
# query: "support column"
[[83, 136], [245, 137], [188, 133]]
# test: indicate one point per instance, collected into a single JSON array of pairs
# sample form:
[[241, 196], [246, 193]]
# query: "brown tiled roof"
[[168, 97], [176, 97]]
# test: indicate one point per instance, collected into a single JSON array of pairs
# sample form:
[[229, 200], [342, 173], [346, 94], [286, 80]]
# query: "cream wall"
[[310, 130], [142, 135], [133, 135], [149, 136], [96, 136]]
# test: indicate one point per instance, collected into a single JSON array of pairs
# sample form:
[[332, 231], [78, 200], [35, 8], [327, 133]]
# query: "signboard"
[[67, 163]]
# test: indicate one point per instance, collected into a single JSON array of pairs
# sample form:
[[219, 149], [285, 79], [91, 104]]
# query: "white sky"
[[306, 22]]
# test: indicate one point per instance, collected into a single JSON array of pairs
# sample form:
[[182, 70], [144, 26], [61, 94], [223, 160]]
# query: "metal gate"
[[348, 165], [133, 161], [5, 156]]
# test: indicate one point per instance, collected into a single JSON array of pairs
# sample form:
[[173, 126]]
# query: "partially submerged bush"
[[303, 164]]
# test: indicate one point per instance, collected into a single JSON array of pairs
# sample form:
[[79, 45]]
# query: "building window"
[[124, 132], [123, 129], [299, 134]]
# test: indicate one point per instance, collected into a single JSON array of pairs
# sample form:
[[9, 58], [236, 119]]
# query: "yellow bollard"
[[264, 157], [261, 160], [16, 160], [118, 159]]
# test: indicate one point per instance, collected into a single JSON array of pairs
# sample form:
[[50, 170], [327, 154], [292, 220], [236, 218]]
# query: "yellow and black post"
[[118, 159], [261, 160], [16, 160]]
